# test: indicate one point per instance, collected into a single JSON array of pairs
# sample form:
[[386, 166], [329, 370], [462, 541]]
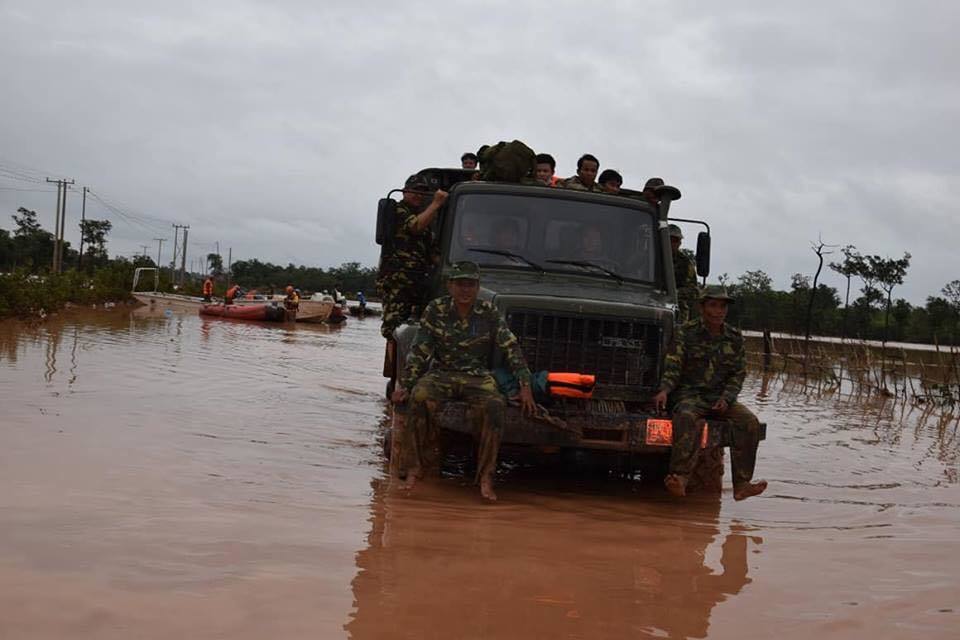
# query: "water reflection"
[[441, 565]]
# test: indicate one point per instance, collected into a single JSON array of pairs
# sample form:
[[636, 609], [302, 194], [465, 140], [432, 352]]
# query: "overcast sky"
[[275, 127]]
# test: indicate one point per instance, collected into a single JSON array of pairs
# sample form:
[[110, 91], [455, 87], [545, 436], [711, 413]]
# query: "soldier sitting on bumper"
[[704, 373], [458, 333]]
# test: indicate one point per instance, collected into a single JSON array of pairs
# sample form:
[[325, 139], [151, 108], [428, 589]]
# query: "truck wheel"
[[707, 476]]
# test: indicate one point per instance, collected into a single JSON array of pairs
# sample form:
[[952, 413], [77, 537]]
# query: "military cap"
[[653, 183], [675, 231], [715, 291], [464, 270], [416, 182]]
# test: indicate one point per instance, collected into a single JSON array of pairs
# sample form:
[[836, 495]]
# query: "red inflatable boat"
[[262, 312]]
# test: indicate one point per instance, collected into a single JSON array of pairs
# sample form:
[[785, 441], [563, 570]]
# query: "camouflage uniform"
[[699, 370], [576, 184], [685, 275], [460, 351], [404, 274]]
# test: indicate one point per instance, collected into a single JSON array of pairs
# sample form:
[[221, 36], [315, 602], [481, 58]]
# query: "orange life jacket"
[[571, 385], [208, 288], [232, 292]]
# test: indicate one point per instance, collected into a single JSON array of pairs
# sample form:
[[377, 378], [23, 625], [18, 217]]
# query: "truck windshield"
[[560, 235]]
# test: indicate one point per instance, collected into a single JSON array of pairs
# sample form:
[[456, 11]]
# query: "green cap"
[[675, 231], [465, 270], [715, 291]]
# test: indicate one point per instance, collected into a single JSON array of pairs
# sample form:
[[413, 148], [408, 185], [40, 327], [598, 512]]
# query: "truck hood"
[[577, 295]]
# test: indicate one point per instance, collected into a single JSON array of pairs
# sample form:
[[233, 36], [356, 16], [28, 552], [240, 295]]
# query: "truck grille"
[[622, 354]]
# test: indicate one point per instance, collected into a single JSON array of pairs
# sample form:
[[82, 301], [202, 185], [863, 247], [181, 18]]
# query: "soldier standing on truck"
[[685, 275], [703, 375], [405, 271], [586, 178], [459, 334]]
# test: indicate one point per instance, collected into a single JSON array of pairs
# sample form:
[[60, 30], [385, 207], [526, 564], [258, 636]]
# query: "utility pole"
[[176, 248], [144, 247], [229, 265], [58, 225], [183, 255], [159, 242], [83, 219]]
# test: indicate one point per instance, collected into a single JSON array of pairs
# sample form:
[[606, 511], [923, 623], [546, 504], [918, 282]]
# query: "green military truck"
[[585, 281]]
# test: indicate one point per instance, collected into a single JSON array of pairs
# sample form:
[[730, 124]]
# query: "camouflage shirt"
[[413, 249], [576, 184], [703, 366], [462, 346], [685, 275]]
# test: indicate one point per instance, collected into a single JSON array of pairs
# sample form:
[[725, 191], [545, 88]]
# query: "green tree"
[[32, 245], [850, 266], [888, 273], [215, 264], [95, 238]]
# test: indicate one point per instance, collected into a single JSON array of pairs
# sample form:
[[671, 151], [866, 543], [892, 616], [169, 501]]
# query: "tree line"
[[348, 278], [873, 314], [30, 246]]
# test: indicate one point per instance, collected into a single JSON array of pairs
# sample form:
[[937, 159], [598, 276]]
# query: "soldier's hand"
[[660, 401], [399, 395], [720, 406], [439, 197], [527, 405]]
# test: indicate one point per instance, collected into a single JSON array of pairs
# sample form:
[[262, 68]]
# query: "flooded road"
[[166, 477]]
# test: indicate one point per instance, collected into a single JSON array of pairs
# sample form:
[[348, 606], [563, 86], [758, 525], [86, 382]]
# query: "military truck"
[[585, 281]]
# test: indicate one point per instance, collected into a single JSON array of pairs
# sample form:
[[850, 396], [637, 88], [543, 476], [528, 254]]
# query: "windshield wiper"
[[583, 263], [510, 254]]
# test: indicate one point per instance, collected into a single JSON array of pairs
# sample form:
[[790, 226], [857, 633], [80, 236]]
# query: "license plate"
[[660, 433]]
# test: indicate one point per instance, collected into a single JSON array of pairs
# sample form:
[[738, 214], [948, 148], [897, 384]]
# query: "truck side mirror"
[[703, 254], [386, 217]]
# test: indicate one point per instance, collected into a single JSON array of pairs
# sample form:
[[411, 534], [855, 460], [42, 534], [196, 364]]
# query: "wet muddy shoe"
[[749, 489], [676, 485]]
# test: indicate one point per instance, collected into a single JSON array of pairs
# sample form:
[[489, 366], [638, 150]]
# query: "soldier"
[[404, 273], [649, 190], [586, 178], [468, 160], [546, 167], [685, 275], [610, 181], [703, 374], [458, 333]]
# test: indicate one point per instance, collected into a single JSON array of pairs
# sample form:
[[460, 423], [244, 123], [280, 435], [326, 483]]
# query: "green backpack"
[[508, 162]]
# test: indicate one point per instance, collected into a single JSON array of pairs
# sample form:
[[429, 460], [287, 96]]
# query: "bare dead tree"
[[820, 248]]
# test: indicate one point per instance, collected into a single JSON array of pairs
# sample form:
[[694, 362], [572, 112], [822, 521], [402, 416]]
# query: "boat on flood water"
[[318, 308], [262, 312]]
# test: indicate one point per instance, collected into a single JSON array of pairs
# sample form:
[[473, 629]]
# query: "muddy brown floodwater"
[[178, 477]]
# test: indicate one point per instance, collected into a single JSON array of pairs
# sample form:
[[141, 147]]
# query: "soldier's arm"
[[510, 347], [422, 220], [673, 363], [737, 374], [421, 350]]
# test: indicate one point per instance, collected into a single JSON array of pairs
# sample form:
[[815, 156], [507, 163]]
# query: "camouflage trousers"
[[402, 298], [687, 427], [421, 434]]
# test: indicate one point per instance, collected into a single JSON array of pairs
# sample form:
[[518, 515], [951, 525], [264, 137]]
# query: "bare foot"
[[748, 489], [412, 476], [676, 485], [486, 489]]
